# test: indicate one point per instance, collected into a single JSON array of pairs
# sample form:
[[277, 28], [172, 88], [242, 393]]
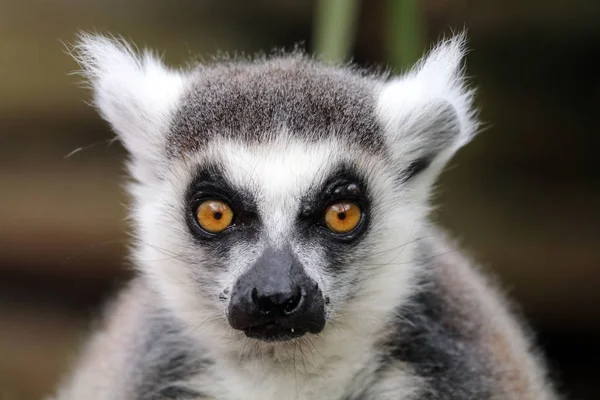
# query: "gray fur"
[[167, 359], [253, 100]]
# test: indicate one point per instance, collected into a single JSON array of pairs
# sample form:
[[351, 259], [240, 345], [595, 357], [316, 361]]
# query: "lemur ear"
[[428, 113], [134, 92]]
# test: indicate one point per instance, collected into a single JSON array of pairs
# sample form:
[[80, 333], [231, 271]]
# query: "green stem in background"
[[335, 29], [403, 36]]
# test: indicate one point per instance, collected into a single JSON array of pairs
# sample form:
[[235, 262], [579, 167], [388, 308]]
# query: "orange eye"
[[214, 216], [342, 217]]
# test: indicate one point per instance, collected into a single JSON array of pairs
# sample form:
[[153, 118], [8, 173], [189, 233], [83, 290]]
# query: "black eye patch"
[[344, 184], [209, 183]]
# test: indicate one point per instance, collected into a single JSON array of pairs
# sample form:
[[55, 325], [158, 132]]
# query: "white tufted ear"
[[428, 113], [135, 93]]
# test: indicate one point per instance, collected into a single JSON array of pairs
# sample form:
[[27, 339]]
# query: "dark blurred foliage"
[[523, 198]]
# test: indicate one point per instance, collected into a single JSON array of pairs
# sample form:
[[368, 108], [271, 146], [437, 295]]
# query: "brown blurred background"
[[524, 197]]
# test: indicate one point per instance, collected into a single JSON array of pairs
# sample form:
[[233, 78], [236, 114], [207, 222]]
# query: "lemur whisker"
[[92, 247]]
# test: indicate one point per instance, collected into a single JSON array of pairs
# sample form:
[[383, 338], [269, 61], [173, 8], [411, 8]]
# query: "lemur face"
[[284, 229], [275, 198]]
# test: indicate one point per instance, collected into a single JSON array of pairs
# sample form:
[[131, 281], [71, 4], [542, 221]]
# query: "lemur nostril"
[[292, 304], [263, 304]]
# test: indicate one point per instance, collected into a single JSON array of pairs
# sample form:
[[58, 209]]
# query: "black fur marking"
[[415, 168], [167, 358], [453, 364], [344, 183], [254, 101]]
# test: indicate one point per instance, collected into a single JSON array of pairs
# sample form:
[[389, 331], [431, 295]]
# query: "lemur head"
[[279, 196]]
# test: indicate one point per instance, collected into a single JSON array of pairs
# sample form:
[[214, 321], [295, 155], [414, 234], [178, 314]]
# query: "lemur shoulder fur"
[[282, 244]]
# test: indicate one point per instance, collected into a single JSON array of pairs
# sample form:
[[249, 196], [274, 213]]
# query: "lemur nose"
[[275, 300], [278, 303]]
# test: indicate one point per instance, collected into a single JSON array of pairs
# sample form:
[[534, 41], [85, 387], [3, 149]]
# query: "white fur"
[[135, 93], [405, 105]]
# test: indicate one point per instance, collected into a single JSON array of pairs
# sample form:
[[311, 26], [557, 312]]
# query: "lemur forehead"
[[254, 101]]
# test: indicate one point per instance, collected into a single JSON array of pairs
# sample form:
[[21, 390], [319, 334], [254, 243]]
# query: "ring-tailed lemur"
[[283, 250]]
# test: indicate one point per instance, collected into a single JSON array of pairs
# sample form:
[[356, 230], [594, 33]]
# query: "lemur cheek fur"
[[283, 247]]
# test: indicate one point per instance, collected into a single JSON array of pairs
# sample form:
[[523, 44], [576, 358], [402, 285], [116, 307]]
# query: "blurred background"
[[523, 198]]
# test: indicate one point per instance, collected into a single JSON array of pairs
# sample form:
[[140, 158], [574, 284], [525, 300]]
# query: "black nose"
[[276, 300], [278, 303]]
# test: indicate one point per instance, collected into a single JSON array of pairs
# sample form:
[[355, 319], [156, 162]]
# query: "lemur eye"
[[214, 216], [342, 217]]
